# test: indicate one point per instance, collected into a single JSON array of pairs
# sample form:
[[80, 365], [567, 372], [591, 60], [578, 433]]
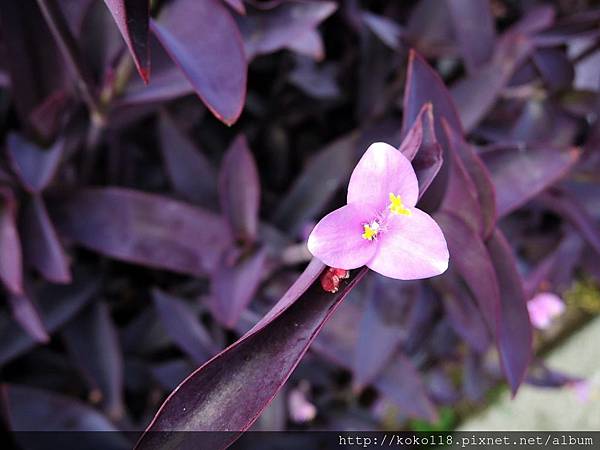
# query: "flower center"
[[395, 207]]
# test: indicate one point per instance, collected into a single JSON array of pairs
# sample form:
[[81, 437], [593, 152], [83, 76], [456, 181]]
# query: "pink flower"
[[380, 226], [300, 409], [543, 308]]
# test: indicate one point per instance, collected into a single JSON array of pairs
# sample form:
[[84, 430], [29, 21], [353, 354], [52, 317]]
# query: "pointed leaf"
[[132, 19], [234, 285], [471, 260], [474, 29], [520, 174], [92, 341], [268, 31], [25, 312], [57, 304], [183, 326], [239, 189], [204, 41], [142, 228], [41, 245], [230, 391], [11, 271], [34, 166], [189, 171], [515, 333]]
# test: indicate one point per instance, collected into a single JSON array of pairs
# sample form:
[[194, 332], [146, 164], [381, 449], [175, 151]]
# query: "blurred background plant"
[[159, 177]]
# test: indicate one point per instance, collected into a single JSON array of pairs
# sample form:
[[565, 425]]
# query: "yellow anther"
[[371, 231], [397, 207]]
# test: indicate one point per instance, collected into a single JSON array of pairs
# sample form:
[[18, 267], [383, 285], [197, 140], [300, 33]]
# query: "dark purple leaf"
[[91, 338], [132, 19], [41, 246], [271, 30], [230, 391], [471, 260], [379, 334], [11, 270], [143, 228], [36, 410], [234, 284], [465, 317], [474, 96], [520, 174], [475, 30], [571, 209], [412, 396], [25, 312], [429, 29], [318, 81], [183, 326], [197, 36], [317, 184], [190, 172], [461, 196], [514, 331], [169, 374], [57, 304], [239, 189], [541, 376], [34, 166], [555, 67], [46, 117]]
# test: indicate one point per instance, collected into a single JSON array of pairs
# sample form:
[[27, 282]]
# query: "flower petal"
[[383, 170], [412, 247], [337, 238]]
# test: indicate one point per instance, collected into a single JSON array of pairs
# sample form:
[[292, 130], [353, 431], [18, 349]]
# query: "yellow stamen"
[[397, 207], [371, 231]]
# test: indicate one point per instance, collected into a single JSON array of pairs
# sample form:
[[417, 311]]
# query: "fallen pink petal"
[[544, 308], [381, 227]]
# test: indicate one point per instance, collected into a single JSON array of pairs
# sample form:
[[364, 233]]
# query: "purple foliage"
[[163, 164]]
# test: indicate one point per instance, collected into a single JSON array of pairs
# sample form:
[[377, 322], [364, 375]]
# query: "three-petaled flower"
[[380, 227]]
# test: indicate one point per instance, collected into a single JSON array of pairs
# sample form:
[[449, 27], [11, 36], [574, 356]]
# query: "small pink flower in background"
[[582, 389], [300, 409], [543, 308], [380, 226]]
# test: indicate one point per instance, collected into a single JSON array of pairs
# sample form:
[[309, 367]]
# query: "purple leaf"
[[461, 196], [204, 41], [309, 44], [183, 326], [46, 117], [34, 166], [543, 166], [41, 245], [379, 333], [269, 31], [234, 284], [11, 271], [475, 95], [384, 28], [190, 172], [167, 83], [35, 410], [230, 391], [92, 341], [542, 376], [237, 5], [471, 260], [132, 19], [27, 315], [555, 67], [412, 397], [514, 332], [465, 317], [474, 29], [57, 304], [429, 29], [567, 206], [142, 228], [239, 189], [317, 184]]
